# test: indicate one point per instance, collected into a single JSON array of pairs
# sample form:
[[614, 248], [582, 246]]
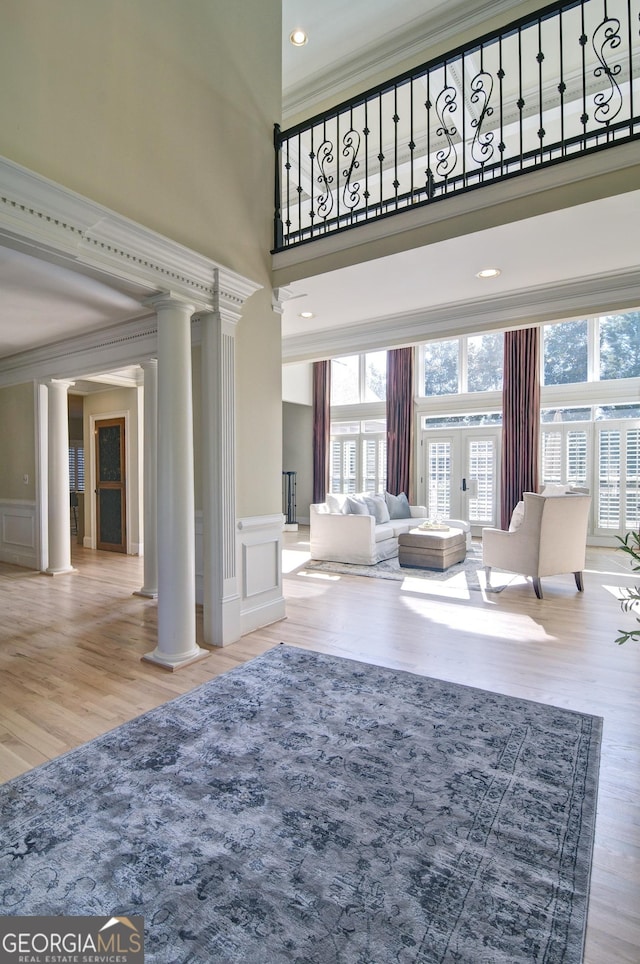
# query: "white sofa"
[[337, 535]]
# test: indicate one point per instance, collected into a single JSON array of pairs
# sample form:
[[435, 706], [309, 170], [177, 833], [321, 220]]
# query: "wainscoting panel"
[[260, 552], [18, 533]]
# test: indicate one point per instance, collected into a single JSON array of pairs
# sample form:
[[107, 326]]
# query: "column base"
[[147, 593], [59, 572], [174, 663]]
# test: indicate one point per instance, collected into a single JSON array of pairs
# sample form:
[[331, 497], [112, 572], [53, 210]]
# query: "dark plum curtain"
[[400, 421], [321, 428], [520, 418]]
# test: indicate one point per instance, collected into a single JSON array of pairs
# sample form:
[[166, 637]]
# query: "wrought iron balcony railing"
[[550, 87]]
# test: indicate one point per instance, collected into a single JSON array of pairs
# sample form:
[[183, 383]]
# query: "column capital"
[[168, 299], [57, 382]]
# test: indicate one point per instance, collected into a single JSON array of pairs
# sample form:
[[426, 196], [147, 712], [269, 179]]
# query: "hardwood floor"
[[70, 669]]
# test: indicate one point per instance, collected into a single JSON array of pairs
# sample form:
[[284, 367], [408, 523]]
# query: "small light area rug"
[[468, 574], [310, 809]]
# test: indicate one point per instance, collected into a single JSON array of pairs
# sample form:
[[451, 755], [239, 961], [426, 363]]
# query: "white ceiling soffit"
[[542, 261], [43, 303]]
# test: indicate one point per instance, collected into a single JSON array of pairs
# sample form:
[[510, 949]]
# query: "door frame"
[[458, 436], [91, 541]]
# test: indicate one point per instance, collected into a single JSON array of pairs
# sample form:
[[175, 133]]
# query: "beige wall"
[[17, 442], [163, 110]]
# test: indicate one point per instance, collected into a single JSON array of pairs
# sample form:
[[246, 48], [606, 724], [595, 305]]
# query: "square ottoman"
[[431, 549]]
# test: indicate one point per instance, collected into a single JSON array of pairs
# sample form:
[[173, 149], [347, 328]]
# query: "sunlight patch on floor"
[[292, 558], [485, 622], [618, 592], [332, 577]]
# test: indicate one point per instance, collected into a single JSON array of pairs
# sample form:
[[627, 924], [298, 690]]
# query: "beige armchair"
[[550, 540]]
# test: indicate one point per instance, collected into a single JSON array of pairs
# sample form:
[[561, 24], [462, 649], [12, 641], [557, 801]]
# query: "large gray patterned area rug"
[[310, 809]]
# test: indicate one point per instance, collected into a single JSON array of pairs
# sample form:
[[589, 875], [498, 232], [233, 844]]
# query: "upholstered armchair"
[[551, 539]]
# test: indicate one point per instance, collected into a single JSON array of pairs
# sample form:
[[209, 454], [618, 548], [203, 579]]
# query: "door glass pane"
[[439, 479], [110, 516], [109, 467], [481, 467]]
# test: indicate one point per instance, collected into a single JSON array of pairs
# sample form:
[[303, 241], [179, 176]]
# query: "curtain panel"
[[520, 418], [400, 421], [321, 428]]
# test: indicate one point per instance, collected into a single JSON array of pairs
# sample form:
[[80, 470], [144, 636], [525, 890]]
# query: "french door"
[[460, 474], [110, 485], [617, 503]]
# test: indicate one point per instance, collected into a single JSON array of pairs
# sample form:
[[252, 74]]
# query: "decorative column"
[[221, 598], [59, 513], [176, 513], [150, 480]]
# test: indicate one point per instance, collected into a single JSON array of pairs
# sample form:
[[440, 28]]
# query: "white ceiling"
[[43, 303]]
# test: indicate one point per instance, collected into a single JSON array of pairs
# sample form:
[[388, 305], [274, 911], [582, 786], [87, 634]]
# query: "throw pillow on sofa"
[[357, 506], [377, 508], [398, 506]]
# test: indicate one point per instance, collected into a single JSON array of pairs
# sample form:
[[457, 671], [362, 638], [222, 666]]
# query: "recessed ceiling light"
[[298, 37], [488, 273], [306, 314]]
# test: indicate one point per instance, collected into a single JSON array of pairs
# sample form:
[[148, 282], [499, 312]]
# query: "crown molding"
[[51, 222], [94, 352], [537, 305]]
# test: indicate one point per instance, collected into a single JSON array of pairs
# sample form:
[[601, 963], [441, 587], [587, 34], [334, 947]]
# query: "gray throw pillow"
[[398, 506], [357, 506], [378, 508]]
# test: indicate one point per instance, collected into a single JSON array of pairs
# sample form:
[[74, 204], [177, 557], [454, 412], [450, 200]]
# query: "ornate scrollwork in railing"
[[609, 103], [325, 199], [447, 156], [481, 91], [351, 191], [547, 88]]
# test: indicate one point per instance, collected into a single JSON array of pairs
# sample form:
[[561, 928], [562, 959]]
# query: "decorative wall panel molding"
[[18, 533]]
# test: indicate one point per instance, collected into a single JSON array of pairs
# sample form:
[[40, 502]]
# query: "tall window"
[[441, 365], [358, 456], [619, 345], [472, 363], [565, 351], [593, 349], [359, 378], [484, 362]]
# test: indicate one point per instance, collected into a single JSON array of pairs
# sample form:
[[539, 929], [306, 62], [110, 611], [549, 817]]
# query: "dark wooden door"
[[110, 485]]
